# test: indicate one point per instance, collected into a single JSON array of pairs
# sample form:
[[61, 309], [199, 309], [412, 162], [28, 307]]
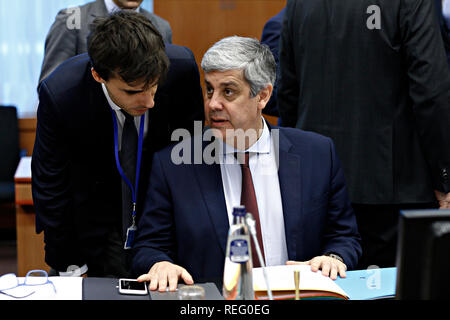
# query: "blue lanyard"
[[139, 156]]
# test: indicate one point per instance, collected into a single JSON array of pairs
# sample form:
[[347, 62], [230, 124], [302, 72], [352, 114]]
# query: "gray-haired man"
[[301, 201]]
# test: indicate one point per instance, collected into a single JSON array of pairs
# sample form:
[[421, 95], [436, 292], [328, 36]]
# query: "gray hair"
[[246, 54]]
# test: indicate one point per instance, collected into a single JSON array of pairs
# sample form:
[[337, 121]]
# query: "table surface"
[[108, 289], [359, 285]]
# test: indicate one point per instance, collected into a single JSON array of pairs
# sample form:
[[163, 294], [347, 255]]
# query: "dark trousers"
[[116, 258], [115, 261], [378, 226]]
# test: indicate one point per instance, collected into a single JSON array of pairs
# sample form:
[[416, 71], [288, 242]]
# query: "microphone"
[[251, 223]]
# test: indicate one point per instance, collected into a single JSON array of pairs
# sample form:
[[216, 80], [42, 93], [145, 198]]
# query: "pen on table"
[[297, 284]]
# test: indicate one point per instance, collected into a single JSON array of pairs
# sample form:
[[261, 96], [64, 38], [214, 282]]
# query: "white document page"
[[282, 278]]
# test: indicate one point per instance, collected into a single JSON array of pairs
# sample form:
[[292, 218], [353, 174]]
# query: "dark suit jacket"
[[271, 36], [185, 218], [444, 29], [382, 95], [65, 40], [75, 183]]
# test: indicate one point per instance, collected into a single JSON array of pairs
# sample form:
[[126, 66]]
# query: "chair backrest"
[[9, 143]]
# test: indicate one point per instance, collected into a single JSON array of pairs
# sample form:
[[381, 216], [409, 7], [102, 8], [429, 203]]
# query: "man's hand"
[[329, 266], [444, 199], [165, 272]]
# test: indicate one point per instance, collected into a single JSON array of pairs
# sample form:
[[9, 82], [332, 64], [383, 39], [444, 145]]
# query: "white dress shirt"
[[264, 171], [121, 118], [111, 6]]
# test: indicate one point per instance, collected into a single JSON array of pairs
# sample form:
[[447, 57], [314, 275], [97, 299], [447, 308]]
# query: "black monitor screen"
[[423, 255]]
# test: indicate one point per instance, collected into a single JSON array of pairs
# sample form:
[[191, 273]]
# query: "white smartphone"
[[132, 286]]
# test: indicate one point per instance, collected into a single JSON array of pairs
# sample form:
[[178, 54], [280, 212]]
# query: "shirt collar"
[[114, 106], [112, 7], [262, 145]]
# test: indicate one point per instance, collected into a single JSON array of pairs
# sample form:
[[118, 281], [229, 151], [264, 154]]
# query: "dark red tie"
[[248, 199]]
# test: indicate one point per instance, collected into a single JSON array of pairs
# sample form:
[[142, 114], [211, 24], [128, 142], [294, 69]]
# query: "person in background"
[[271, 37], [289, 179], [372, 76], [100, 118], [67, 36], [443, 13]]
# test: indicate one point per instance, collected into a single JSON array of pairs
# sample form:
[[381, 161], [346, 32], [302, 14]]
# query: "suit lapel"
[[289, 174], [101, 118], [210, 181], [98, 9]]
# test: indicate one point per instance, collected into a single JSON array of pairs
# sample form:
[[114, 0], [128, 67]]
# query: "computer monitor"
[[423, 255]]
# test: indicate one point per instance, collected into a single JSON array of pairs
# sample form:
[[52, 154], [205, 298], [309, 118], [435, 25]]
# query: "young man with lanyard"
[[101, 117]]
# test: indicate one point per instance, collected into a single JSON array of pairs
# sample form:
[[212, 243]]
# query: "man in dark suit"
[[271, 36], [373, 76], [67, 36], [304, 214], [82, 204]]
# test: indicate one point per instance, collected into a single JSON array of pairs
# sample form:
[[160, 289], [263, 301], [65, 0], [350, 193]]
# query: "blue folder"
[[378, 283]]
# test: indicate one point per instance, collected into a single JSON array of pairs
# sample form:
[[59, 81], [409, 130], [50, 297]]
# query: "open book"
[[313, 285]]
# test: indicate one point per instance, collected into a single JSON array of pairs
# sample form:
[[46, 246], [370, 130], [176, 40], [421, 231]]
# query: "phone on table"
[[132, 286]]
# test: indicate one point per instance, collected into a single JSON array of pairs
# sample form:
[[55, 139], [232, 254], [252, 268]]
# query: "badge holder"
[[131, 231]]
